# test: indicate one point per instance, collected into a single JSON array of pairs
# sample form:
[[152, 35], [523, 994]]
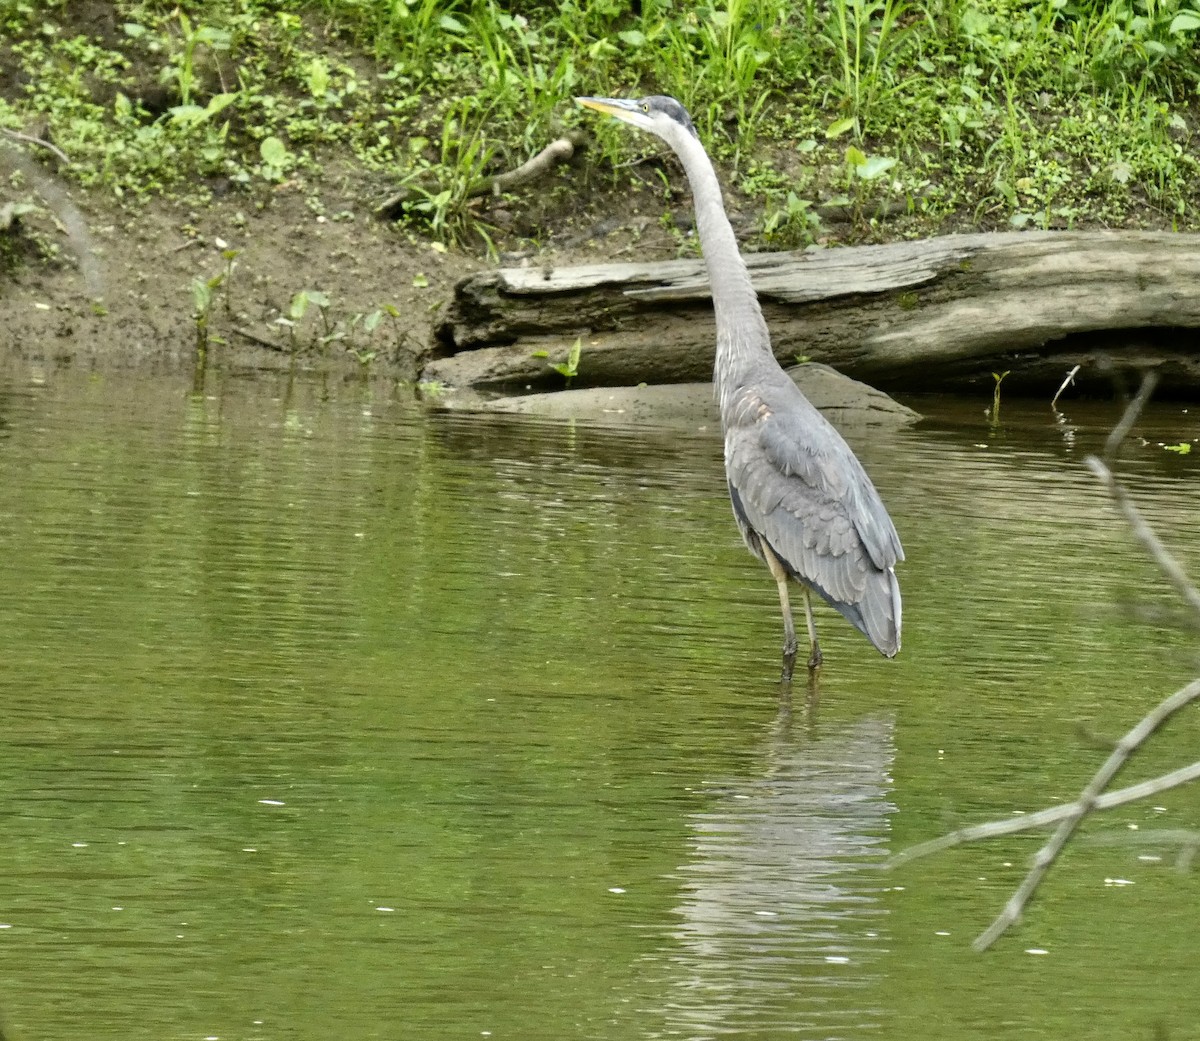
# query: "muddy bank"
[[386, 289], [146, 260], [378, 297], [261, 254]]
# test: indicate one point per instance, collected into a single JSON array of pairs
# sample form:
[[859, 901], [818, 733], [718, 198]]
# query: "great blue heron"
[[802, 500]]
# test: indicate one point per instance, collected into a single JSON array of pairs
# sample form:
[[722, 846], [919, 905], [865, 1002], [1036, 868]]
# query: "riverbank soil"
[[385, 285], [149, 257]]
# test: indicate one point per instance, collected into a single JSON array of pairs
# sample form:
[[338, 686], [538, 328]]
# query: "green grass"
[[941, 113]]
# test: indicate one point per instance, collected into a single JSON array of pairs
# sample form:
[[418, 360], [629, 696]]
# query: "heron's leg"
[[789, 627], [815, 657], [789, 633]]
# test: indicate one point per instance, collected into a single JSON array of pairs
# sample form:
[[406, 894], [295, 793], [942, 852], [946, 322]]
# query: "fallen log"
[[937, 313]]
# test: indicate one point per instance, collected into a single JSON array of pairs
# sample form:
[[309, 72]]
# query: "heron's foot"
[[789, 661], [815, 658], [789, 666]]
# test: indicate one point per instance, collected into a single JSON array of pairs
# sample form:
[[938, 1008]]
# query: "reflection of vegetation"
[[298, 308]]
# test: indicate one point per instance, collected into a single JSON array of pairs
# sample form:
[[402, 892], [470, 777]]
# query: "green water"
[[325, 716]]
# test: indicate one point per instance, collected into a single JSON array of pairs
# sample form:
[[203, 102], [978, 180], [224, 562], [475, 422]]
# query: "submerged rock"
[[844, 401]]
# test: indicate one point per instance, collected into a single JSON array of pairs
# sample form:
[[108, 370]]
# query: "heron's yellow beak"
[[620, 108]]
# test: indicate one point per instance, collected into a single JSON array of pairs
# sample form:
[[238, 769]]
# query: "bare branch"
[[1054, 814], [1149, 723], [1064, 385], [1132, 411], [1084, 805], [1145, 534], [271, 345], [29, 139], [556, 152]]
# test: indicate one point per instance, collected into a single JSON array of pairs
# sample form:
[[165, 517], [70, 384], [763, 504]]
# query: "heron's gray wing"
[[801, 489], [802, 443]]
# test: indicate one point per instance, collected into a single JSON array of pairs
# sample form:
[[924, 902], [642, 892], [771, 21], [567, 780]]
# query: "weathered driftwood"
[[935, 313]]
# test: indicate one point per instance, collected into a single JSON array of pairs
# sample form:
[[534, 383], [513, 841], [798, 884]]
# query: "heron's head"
[[657, 114]]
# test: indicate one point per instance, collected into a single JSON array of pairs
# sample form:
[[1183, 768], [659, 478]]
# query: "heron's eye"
[[644, 107]]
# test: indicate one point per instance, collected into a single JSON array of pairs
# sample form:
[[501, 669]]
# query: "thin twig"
[[1186, 839], [29, 139], [1087, 802], [261, 341], [1145, 534], [1093, 797], [1065, 384], [1132, 411], [1054, 814]]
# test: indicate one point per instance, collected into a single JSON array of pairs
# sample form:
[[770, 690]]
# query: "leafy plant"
[[276, 159], [999, 378], [569, 368], [188, 116], [1124, 41], [867, 167], [230, 257], [989, 110], [464, 153], [182, 69], [202, 302], [298, 308], [793, 223], [866, 37]]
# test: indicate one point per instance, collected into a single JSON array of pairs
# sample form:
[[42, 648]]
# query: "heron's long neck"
[[742, 335]]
